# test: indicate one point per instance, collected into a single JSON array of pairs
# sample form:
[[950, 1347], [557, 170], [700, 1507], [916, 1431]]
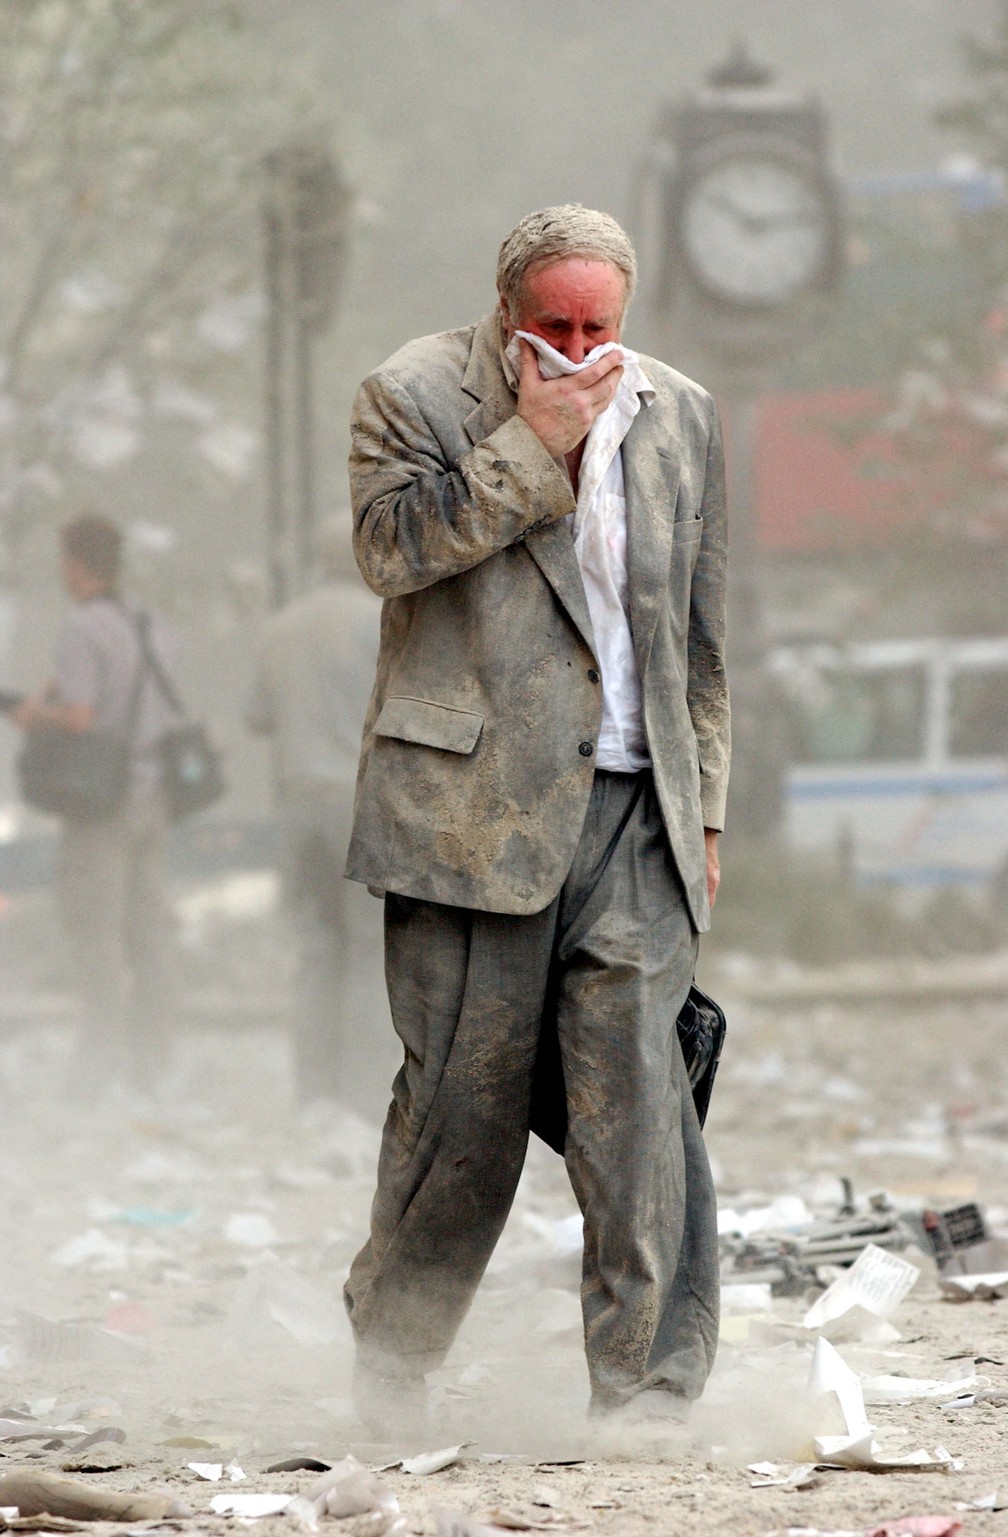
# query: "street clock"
[[746, 215], [740, 226], [756, 223]]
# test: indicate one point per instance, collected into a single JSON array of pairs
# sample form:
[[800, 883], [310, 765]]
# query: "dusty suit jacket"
[[478, 747]]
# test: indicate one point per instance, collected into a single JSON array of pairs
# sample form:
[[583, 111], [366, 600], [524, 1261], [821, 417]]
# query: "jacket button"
[[586, 749], [593, 676]]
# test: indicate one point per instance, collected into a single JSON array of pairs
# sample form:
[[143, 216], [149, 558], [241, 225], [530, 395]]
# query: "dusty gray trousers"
[[608, 964]]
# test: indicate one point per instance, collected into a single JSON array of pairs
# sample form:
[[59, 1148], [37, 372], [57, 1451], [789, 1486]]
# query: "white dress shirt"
[[600, 544]]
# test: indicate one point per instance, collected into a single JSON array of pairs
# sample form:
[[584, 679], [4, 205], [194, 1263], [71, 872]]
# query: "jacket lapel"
[[651, 485], [551, 547], [484, 380]]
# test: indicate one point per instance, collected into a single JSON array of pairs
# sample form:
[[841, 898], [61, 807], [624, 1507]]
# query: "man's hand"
[[560, 411], [713, 864], [41, 710], [30, 713]]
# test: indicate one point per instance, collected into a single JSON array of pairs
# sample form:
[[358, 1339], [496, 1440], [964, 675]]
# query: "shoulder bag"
[[79, 774], [191, 776], [83, 775]]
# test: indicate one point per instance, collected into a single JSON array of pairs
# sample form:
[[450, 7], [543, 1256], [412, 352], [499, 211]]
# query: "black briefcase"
[[701, 1027]]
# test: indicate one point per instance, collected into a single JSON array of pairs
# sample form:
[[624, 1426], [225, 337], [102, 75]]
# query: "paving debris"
[[792, 1258]]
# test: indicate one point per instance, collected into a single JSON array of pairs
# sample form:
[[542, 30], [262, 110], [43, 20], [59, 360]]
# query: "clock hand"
[[759, 222], [722, 200], [793, 219]]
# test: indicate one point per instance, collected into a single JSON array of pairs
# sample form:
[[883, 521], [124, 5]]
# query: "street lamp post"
[[304, 218]]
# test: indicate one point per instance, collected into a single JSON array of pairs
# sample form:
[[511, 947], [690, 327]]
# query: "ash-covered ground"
[[171, 1270]]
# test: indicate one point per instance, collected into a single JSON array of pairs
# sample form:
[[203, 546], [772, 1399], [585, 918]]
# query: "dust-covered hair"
[[94, 543], [554, 234]]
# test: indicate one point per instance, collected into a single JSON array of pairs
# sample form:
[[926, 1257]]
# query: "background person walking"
[[111, 877]]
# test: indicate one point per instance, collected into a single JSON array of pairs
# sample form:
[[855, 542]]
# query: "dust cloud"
[[173, 1254]]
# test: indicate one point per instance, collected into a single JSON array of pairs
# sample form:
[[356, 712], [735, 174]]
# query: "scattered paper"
[[97, 1437], [45, 1343], [831, 1379], [983, 1502], [71, 1437], [786, 1214], [274, 1290], [94, 1250], [986, 1286], [251, 1229], [149, 1216], [542, 1520], [214, 1471], [129, 1318], [870, 1291], [433, 1462], [252, 1505], [863, 1452], [31, 1430], [775, 1475], [894, 1390], [350, 1489], [747, 1297]]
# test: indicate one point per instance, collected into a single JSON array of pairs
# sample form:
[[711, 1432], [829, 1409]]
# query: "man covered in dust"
[[541, 786]]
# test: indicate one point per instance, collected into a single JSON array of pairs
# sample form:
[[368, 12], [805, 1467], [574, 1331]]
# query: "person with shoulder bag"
[[92, 757]]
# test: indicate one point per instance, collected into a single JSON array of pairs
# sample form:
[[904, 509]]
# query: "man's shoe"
[[390, 1403]]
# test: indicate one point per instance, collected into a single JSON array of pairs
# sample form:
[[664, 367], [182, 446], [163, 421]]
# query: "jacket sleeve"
[[707, 682], [418, 517]]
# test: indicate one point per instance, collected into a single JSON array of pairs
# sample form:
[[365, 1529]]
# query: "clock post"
[[744, 218]]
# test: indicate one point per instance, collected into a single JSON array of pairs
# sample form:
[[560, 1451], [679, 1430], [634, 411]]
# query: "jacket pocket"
[[687, 529], [429, 724]]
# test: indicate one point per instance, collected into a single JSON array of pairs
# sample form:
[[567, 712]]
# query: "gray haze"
[[217, 1224], [451, 118]]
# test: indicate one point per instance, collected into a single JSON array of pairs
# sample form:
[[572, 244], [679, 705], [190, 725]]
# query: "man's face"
[[79, 582], [574, 304]]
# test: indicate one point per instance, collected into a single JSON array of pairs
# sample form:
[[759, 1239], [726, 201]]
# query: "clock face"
[[755, 229]]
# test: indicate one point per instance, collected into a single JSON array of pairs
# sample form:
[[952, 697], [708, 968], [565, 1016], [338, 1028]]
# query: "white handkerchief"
[[553, 363]]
